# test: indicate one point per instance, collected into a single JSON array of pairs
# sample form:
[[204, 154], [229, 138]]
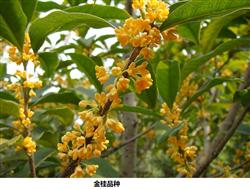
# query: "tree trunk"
[[129, 119]]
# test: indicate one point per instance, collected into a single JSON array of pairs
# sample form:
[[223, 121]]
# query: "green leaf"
[[8, 107], [195, 63], [206, 87], [76, 2], [28, 8], [63, 98], [59, 21], [190, 31], [195, 10], [6, 143], [213, 29], [48, 140], [42, 154], [87, 65], [150, 95], [138, 109], [101, 11], [49, 62], [168, 80], [7, 96], [12, 22], [47, 6], [64, 115], [243, 96], [3, 70]]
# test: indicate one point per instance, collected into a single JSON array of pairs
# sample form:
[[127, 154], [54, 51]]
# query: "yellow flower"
[[91, 169], [122, 84], [138, 4], [29, 145], [115, 125], [169, 34], [143, 83], [32, 93], [101, 74], [78, 173], [116, 71], [190, 151], [131, 70], [62, 147], [146, 53], [101, 98]]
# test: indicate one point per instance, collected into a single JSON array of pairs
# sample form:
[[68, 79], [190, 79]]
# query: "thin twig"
[[242, 165], [114, 149]]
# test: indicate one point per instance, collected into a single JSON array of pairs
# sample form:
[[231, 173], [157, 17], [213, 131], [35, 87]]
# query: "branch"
[[31, 158], [73, 163], [32, 166], [226, 131], [242, 165], [114, 149]]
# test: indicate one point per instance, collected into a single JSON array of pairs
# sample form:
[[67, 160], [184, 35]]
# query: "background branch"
[[227, 128], [114, 149]]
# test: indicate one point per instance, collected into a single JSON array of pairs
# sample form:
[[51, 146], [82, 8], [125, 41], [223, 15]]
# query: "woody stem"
[[31, 158], [73, 163]]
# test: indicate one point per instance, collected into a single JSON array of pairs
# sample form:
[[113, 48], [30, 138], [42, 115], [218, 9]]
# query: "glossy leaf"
[[49, 62], [206, 87], [8, 107], [100, 11], [59, 21], [194, 10], [6, 143], [168, 80], [190, 31], [64, 115], [87, 65], [213, 29], [63, 98], [13, 22], [138, 109], [42, 154], [3, 70], [47, 6], [196, 62], [29, 7]]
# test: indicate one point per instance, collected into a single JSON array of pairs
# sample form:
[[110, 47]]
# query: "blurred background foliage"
[[209, 48]]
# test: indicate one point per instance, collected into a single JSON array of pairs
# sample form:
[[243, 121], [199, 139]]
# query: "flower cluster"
[[172, 117], [24, 56], [24, 91], [29, 145], [181, 153], [88, 140], [89, 170], [142, 32], [154, 10], [187, 89], [178, 149]]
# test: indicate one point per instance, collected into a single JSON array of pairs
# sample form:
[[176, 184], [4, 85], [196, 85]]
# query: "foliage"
[[186, 62]]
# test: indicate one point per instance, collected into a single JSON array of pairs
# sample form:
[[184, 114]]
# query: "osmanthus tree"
[[175, 81]]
